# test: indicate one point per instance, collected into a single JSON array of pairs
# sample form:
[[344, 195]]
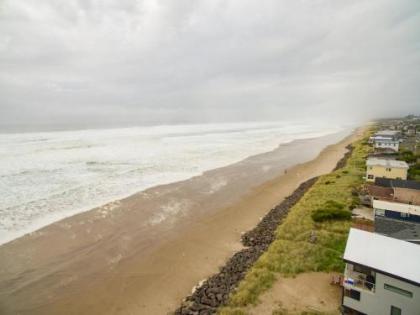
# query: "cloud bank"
[[152, 61]]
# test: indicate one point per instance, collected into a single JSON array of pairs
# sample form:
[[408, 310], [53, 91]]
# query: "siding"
[[407, 195], [379, 302], [380, 171]]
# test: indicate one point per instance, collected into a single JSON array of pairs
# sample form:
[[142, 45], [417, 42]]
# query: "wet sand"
[[143, 254]]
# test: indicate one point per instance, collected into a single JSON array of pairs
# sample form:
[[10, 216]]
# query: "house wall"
[[383, 205], [393, 145], [407, 195], [380, 171], [402, 216], [380, 301]]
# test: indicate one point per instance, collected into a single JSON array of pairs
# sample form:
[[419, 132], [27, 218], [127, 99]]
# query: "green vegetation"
[[411, 158], [331, 210], [407, 156], [414, 172], [295, 249]]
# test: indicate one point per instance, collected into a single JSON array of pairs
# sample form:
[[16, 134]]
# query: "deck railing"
[[357, 281]]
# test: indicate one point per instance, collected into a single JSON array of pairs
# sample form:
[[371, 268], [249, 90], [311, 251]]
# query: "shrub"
[[355, 202], [407, 156], [331, 210], [414, 172]]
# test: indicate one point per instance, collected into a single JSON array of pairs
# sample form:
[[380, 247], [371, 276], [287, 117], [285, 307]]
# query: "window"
[[395, 310], [353, 294], [370, 176], [388, 170], [380, 212], [362, 269], [398, 290], [404, 215]]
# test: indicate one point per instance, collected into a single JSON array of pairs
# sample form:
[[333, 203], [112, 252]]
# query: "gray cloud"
[[175, 61]]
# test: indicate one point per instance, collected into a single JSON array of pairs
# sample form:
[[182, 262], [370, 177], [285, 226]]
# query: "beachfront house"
[[404, 191], [385, 134], [398, 220], [381, 277], [387, 144], [385, 140], [386, 168]]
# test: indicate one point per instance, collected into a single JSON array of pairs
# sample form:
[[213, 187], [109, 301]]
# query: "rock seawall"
[[214, 292]]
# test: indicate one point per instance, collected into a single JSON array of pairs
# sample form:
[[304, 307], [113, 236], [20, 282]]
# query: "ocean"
[[47, 176]]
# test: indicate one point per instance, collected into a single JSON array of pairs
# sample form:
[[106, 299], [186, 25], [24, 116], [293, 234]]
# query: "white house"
[[385, 143], [385, 134], [386, 139], [398, 220], [382, 275], [397, 210]]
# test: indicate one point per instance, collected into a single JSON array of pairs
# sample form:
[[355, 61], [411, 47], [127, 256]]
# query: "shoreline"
[[148, 278], [54, 218]]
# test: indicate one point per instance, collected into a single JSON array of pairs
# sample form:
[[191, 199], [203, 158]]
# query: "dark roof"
[[400, 183], [408, 231], [382, 192]]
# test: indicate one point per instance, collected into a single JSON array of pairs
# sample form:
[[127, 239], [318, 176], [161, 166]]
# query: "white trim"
[[396, 206]]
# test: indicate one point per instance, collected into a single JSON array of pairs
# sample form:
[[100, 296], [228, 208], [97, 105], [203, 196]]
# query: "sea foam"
[[47, 176]]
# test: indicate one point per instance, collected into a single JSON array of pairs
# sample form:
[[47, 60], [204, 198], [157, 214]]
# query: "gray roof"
[[389, 255], [402, 230], [386, 163], [387, 133], [399, 183]]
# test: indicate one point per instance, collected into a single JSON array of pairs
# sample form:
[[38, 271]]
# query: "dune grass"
[[301, 244]]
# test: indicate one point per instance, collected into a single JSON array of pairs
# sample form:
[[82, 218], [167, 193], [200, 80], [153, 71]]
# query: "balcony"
[[358, 280]]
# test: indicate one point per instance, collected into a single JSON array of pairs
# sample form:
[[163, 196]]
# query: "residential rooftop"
[[402, 230], [387, 133], [399, 183], [384, 254], [382, 192], [386, 163], [384, 139]]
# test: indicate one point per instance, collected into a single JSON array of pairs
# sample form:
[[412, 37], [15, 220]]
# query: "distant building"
[[386, 140], [382, 275], [393, 145], [386, 134], [411, 130], [398, 220], [394, 134], [385, 168]]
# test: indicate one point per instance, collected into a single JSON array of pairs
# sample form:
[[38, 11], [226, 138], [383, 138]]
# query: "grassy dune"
[[301, 244]]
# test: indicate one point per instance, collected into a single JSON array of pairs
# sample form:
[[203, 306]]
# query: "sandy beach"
[[123, 258]]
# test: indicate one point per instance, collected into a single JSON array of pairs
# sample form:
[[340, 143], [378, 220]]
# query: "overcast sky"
[[113, 61]]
